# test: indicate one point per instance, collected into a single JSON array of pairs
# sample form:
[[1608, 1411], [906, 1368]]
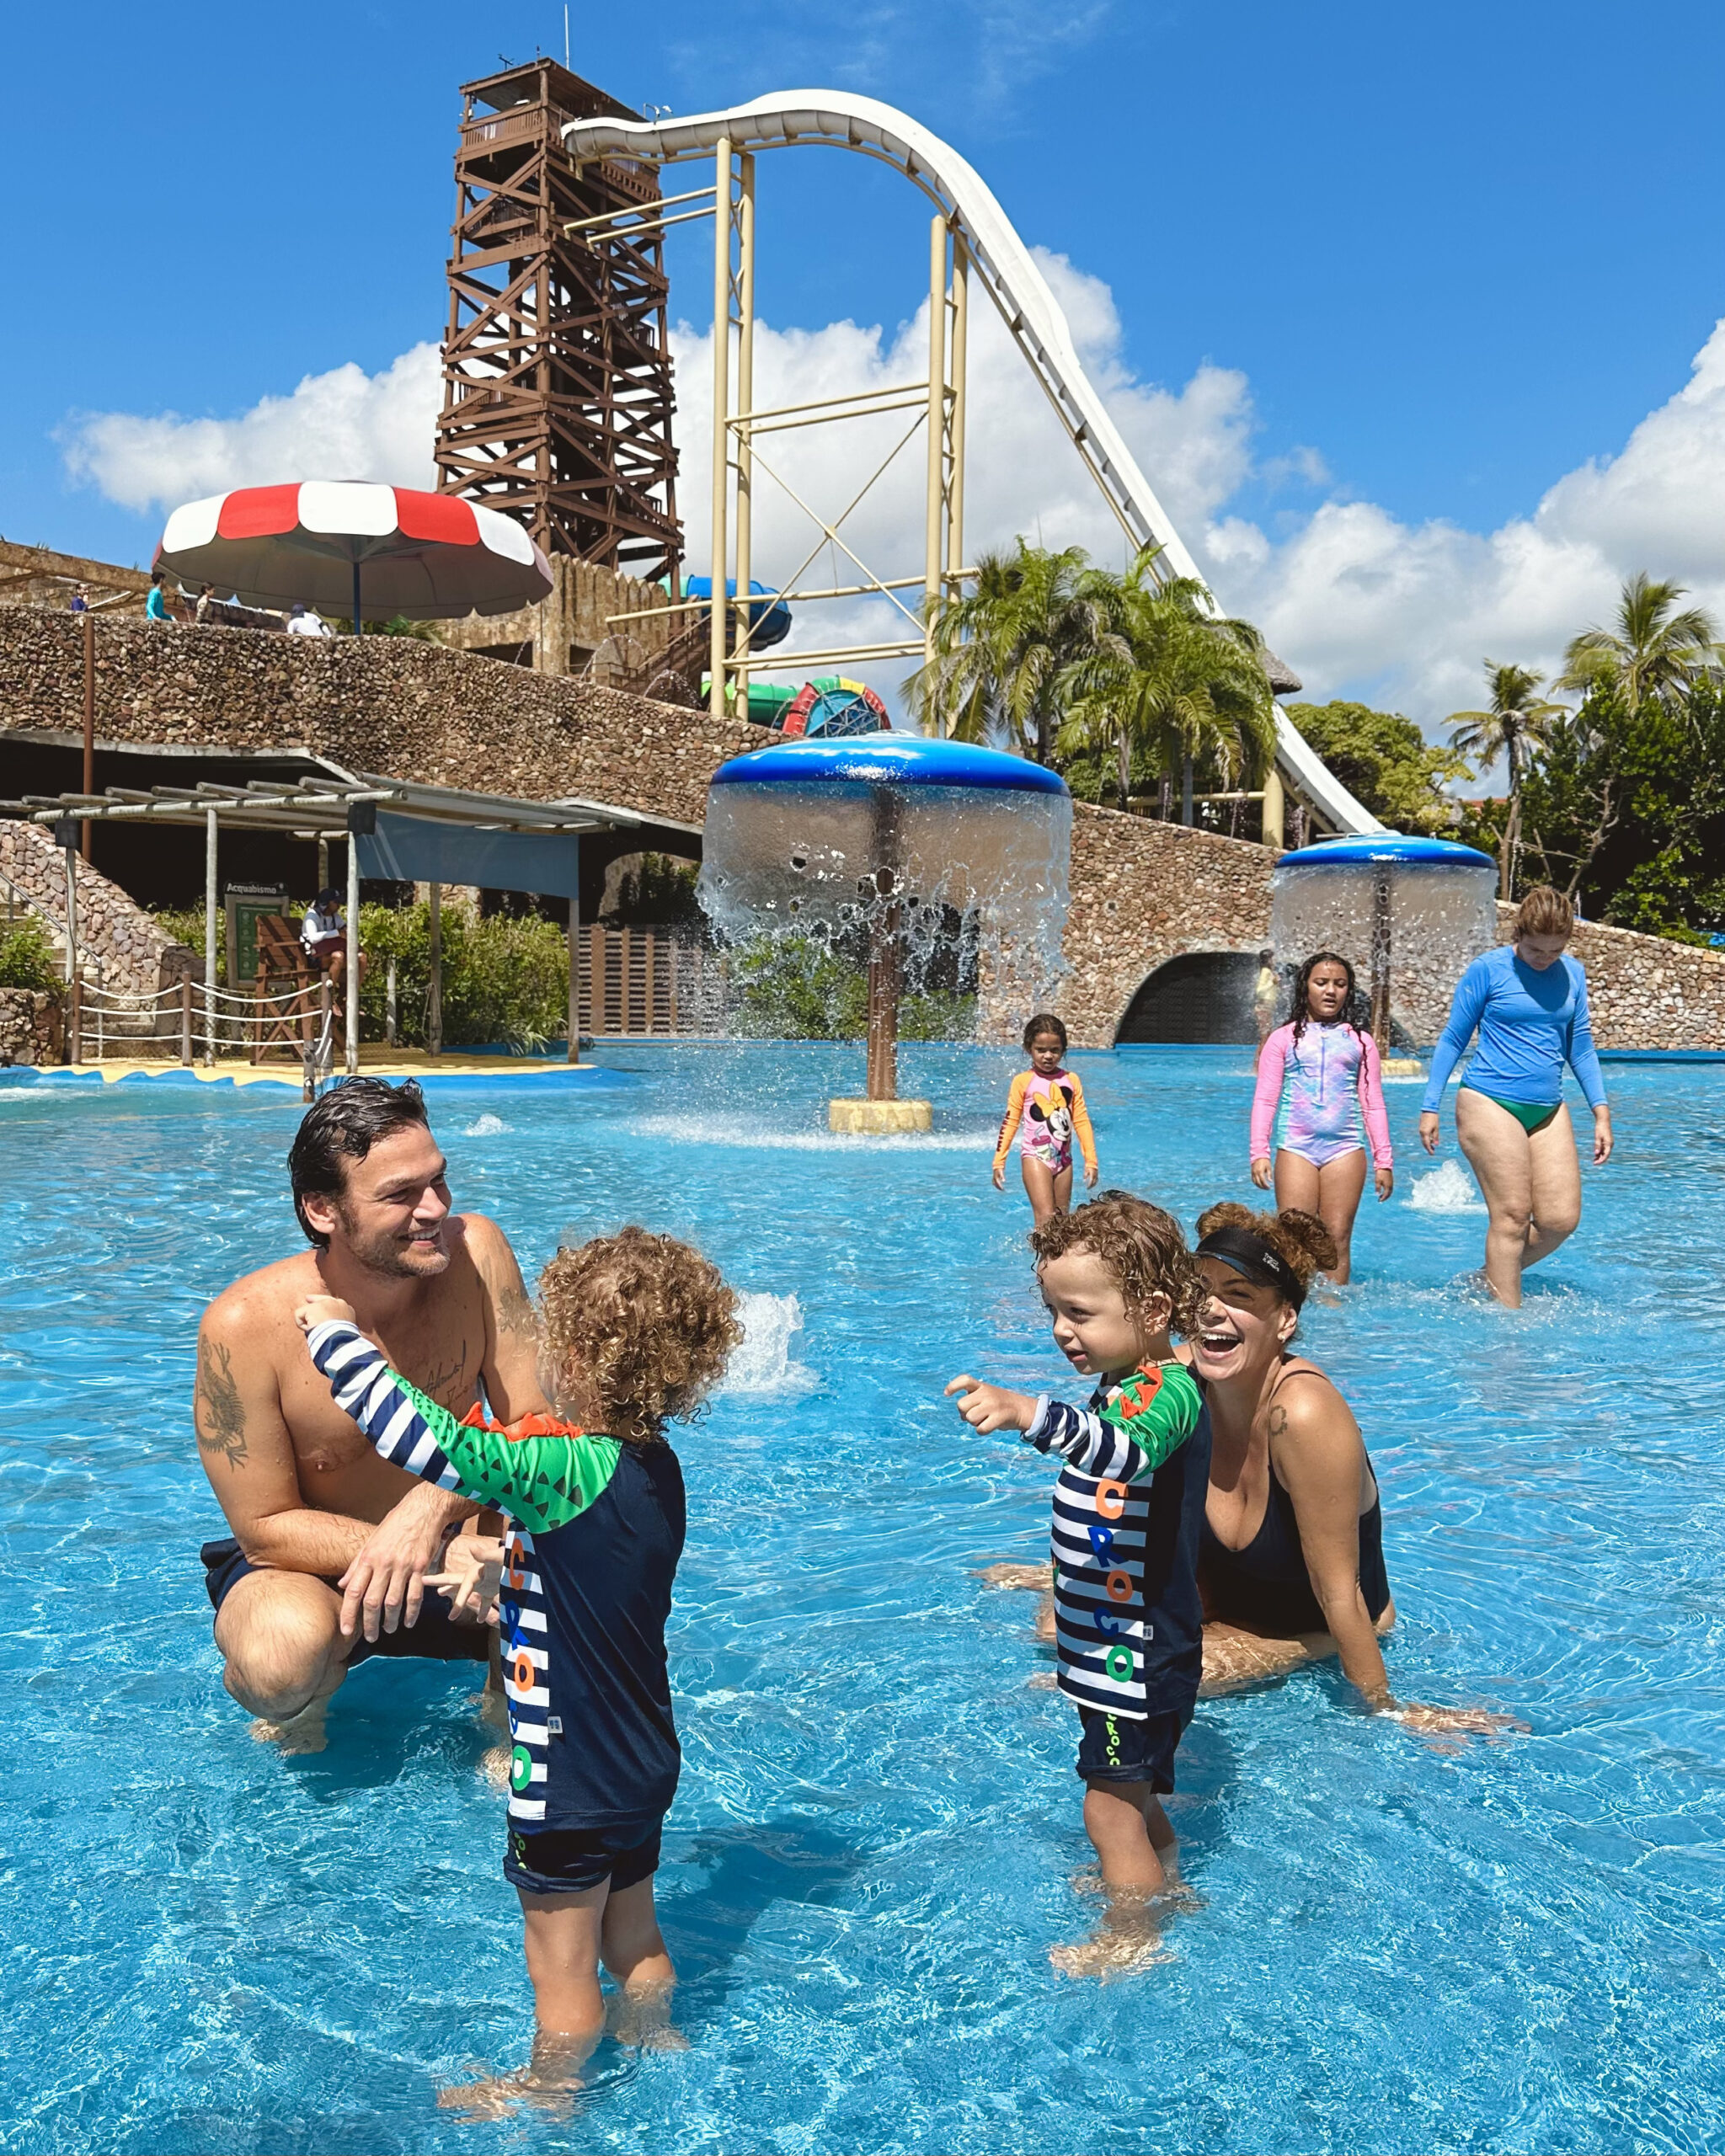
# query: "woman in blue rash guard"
[[1528, 999]]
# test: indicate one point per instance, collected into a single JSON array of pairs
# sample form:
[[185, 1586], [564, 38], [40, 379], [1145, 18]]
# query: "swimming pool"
[[211, 1948]]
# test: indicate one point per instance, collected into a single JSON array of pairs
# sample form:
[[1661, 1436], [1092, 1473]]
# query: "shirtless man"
[[332, 1547]]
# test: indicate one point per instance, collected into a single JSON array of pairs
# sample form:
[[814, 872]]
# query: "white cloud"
[[344, 424], [1356, 600]]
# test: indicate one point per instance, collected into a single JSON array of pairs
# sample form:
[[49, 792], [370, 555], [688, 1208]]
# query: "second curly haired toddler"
[[1116, 1276]]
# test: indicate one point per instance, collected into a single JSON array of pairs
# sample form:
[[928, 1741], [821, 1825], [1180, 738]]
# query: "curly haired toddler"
[[636, 1328], [1116, 1275]]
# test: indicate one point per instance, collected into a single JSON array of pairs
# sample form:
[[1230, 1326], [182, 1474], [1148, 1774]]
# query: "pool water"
[[878, 1840]]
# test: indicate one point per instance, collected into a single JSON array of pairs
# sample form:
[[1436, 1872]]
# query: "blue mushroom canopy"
[[891, 833], [896, 760], [1388, 850]]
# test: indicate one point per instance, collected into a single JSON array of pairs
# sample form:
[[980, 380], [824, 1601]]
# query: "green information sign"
[[246, 903]]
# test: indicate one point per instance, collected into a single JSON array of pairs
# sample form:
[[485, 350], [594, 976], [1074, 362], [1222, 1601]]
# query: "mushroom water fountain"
[[875, 844], [1410, 913]]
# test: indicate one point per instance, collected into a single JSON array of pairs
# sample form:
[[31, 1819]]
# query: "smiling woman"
[[1291, 1563]]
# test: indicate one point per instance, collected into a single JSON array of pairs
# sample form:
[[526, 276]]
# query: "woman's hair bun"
[[1311, 1236], [1300, 1240]]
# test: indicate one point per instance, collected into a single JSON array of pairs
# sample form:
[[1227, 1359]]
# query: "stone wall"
[[30, 1026], [385, 704], [1644, 992], [119, 943], [576, 625], [1143, 892]]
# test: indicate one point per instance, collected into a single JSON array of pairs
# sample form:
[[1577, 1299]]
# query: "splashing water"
[[762, 1366], [486, 1126], [1447, 1189], [1438, 919], [830, 861], [716, 1131]]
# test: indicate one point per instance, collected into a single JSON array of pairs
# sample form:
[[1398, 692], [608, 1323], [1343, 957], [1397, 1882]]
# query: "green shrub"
[[504, 979], [790, 988], [185, 925], [26, 956], [938, 1014]]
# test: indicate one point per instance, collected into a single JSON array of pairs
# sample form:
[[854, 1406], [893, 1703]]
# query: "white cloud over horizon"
[[1358, 601]]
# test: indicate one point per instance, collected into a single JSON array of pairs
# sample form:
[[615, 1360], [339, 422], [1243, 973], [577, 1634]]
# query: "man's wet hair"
[[344, 1126]]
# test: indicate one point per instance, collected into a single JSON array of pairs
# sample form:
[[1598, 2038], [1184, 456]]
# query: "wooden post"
[[433, 1004], [575, 982], [651, 1013], [210, 835], [352, 966], [90, 723], [885, 984], [626, 1001], [1274, 808], [1380, 962], [185, 1020]]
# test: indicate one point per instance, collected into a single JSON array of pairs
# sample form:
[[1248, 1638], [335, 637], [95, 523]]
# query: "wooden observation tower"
[[557, 385]]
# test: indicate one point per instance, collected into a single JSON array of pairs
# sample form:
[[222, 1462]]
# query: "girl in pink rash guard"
[[1320, 1099]]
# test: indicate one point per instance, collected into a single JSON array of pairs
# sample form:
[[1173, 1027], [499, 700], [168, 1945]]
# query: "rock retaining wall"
[[119, 944], [386, 704], [1142, 893], [30, 1026]]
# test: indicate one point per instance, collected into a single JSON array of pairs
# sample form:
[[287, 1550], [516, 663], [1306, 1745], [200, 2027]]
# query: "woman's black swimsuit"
[[1266, 1587]]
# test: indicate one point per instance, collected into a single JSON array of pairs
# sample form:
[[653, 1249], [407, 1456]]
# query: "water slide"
[[1004, 265]]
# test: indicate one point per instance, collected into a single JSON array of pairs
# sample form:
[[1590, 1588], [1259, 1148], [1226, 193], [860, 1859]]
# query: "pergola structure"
[[396, 829]]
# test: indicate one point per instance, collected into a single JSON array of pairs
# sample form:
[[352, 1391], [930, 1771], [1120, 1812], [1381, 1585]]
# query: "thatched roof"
[[1284, 680]]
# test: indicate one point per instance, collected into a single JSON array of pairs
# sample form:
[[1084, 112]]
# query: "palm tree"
[[1654, 655], [1517, 721], [1003, 651], [1170, 681]]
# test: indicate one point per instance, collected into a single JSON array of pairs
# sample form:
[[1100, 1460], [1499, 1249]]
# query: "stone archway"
[[1201, 996]]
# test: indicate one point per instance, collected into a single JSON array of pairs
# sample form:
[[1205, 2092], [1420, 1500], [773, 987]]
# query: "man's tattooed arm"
[[217, 1410]]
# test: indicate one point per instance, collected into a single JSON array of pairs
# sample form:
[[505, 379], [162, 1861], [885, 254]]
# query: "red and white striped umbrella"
[[343, 546]]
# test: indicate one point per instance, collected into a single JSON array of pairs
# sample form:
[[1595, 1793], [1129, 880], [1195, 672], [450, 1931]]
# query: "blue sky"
[[1444, 258]]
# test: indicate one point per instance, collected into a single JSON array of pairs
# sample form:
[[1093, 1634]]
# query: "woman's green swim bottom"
[[1533, 1116]]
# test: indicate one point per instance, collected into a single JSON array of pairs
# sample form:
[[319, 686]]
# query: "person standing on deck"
[[1528, 999]]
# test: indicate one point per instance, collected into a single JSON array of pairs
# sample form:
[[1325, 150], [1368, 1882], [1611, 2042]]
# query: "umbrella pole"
[[359, 625]]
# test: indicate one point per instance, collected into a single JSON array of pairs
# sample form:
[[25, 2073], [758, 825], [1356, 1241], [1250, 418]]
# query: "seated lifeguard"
[[323, 936]]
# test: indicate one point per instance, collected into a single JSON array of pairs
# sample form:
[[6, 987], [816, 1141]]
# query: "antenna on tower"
[[565, 34]]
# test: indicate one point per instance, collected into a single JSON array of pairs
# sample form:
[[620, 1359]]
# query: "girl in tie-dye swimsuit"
[[1320, 1099]]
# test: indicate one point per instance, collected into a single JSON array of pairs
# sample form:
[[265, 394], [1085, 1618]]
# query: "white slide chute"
[[838, 120]]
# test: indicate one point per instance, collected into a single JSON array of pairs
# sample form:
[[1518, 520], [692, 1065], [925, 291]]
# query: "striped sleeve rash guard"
[[595, 1528], [1127, 1510]]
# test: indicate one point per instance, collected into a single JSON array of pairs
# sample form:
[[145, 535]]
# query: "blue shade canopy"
[[1387, 850], [418, 849], [906, 760]]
